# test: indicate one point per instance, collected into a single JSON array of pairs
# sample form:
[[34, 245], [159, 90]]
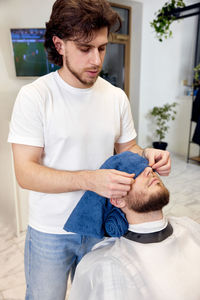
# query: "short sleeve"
[[127, 129], [26, 126]]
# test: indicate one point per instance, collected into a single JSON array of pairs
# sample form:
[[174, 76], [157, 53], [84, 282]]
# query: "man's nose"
[[148, 171], [95, 58]]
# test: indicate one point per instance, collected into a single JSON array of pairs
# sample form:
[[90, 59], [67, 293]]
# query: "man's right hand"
[[111, 183]]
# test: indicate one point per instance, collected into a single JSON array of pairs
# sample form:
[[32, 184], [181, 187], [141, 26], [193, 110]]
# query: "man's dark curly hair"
[[77, 19]]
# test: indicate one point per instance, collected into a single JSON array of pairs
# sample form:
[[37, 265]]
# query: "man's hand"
[[111, 183], [159, 160]]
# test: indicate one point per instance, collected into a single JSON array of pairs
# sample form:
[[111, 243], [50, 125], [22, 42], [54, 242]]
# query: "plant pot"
[[160, 145]]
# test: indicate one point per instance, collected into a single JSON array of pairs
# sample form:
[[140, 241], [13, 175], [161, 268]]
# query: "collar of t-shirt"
[[72, 89], [149, 227]]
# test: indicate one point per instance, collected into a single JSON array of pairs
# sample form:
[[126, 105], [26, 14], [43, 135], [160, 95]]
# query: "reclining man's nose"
[[147, 171]]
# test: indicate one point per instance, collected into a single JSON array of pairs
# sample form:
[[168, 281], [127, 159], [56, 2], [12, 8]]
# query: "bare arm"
[[129, 146], [32, 175]]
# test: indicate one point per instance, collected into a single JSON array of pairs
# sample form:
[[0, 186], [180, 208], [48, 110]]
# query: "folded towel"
[[94, 215], [115, 223]]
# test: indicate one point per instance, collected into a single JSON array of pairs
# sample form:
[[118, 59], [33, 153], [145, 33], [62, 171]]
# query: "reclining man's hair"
[[77, 20]]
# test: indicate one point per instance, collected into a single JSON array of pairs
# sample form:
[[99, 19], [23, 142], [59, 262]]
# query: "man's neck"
[[138, 218], [69, 78]]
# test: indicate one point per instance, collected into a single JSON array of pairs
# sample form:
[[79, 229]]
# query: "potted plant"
[[162, 115], [197, 76], [164, 19]]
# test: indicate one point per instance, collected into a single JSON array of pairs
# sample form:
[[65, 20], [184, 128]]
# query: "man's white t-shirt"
[[77, 129]]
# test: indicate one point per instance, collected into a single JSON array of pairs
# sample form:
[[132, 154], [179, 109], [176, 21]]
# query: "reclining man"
[[158, 258]]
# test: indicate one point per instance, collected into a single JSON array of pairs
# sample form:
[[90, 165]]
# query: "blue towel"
[[94, 215]]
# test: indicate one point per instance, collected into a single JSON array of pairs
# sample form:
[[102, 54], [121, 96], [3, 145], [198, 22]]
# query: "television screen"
[[29, 52]]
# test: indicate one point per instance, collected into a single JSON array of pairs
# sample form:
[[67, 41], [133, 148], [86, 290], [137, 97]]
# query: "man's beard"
[[78, 75], [155, 201]]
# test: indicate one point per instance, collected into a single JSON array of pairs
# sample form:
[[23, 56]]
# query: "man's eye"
[[102, 49], [84, 49]]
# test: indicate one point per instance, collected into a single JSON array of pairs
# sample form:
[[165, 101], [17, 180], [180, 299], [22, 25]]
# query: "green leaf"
[[162, 22], [162, 115]]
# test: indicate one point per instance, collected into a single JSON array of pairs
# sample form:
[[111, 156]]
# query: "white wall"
[[13, 14], [163, 66], [156, 72]]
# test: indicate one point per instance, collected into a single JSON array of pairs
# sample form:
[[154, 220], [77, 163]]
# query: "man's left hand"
[[159, 160]]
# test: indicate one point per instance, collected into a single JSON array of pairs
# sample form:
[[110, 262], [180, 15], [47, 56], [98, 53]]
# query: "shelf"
[[185, 97], [195, 158]]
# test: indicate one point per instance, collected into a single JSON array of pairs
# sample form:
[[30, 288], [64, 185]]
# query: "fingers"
[[164, 170], [123, 181], [119, 190], [149, 153], [112, 183], [124, 174], [163, 164], [151, 160], [120, 184], [159, 160]]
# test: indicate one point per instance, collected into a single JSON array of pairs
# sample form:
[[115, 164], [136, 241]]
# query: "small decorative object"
[[164, 19], [163, 114]]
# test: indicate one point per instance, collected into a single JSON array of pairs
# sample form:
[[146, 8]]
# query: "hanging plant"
[[163, 20]]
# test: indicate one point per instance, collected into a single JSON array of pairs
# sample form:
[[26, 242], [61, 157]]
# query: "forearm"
[[39, 178], [137, 149], [107, 183], [31, 174], [129, 146]]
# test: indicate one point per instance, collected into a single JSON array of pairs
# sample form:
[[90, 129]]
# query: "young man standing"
[[64, 126]]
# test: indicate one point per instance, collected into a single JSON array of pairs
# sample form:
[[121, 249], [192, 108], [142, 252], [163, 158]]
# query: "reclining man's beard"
[[154, 202]]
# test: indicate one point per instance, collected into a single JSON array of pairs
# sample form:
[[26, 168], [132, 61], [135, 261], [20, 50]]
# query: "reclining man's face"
[[148, 193]]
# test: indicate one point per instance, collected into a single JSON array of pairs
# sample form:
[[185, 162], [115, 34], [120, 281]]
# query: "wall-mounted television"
[[29, 53]]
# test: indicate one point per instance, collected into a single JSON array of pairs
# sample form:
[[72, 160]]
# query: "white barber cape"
[[122, 269]]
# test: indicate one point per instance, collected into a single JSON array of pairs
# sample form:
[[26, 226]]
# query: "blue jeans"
[[48, 260]]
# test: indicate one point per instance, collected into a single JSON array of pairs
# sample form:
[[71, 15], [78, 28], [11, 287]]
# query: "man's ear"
[[118, 202], [59, 44]]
